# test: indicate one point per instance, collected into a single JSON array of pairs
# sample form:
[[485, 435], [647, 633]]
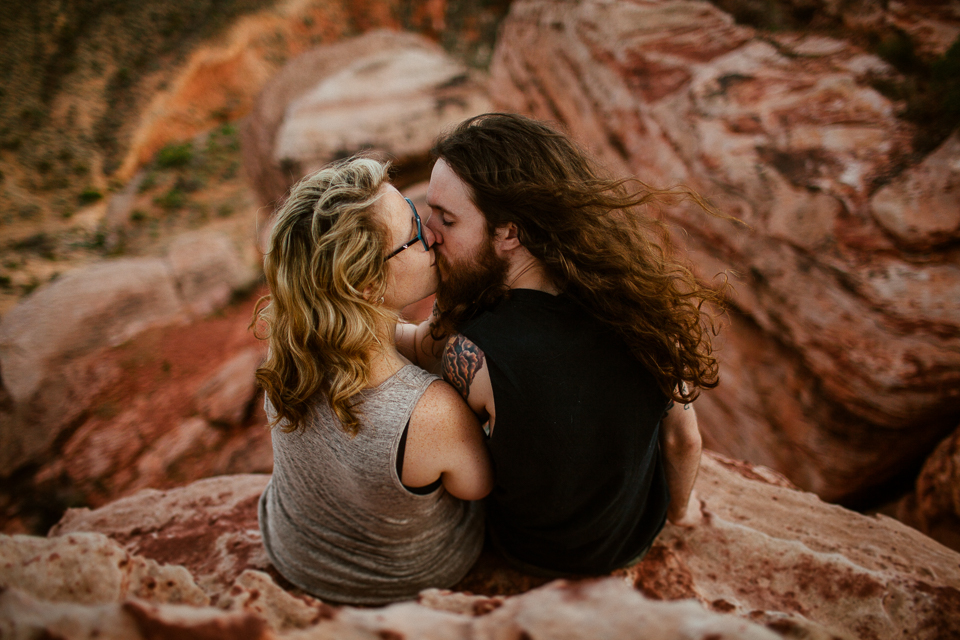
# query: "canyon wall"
[[841, 355]]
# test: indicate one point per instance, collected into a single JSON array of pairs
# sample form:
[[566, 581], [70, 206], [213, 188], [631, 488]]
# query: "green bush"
[[175, 155], [172, 200], [89, 196]]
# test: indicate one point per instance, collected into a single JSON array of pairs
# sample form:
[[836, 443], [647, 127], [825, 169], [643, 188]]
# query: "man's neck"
[[526, 272]]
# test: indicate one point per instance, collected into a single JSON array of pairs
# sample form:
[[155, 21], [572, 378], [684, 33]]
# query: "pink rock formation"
[[226, 395], [53, 344], [90, 568], [932, 25], [765, 559], [44, 342], [921, 207], [840, 362], [208, 270], [209, 527], [934, 508], [386, 91]]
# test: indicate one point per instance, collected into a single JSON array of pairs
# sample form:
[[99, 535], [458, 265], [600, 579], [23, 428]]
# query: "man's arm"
[[464, 366], [681, 444]]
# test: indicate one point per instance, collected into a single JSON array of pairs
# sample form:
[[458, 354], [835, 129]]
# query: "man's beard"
[[467, 288]]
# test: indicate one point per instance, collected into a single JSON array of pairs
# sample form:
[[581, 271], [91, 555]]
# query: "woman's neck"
[[383, 358]]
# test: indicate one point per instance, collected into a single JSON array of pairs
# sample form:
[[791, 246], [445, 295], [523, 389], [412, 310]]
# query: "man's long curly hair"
[[324, 265], [596, 238]]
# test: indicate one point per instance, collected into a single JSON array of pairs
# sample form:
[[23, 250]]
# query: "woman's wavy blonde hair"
[[325, 268]]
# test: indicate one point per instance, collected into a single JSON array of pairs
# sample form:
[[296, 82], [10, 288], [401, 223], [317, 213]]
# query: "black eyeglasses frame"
[[419, 236]]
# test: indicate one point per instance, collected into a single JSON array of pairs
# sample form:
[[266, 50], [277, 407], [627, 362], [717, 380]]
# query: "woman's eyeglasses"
[[419, 236]]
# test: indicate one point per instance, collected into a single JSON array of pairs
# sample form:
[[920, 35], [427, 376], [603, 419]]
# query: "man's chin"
[[466, 284]]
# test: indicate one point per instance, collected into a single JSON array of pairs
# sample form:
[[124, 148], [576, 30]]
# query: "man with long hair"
[[565, 321]]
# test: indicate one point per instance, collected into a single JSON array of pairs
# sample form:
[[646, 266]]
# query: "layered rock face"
[[118, 377], [841, 358], [383, 91], [934, 508], [765, 561], [50, 343]]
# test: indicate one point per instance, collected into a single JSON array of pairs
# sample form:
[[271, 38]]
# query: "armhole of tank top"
[[401, 451]]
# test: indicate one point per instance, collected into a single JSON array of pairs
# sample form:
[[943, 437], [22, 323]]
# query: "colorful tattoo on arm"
[[461, 361]]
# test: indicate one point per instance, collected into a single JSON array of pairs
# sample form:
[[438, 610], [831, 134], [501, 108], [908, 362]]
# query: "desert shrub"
[[174, 199], [175, 155], [89, 196]]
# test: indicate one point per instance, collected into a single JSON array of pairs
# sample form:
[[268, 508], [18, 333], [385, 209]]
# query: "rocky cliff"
[[765, 561], [841, 356]]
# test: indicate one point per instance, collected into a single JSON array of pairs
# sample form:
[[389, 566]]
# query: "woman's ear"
[[506, 238]]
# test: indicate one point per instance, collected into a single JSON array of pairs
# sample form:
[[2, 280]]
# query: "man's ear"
[[506, 237]]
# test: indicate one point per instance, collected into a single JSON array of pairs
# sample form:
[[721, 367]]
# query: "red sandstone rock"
[[840, 363], [210, 527], [208, 269], [764, 553], [934, 507], [226, 395], [382, 91], [53, 344], [921, 208], [49, 341], [90, 568]]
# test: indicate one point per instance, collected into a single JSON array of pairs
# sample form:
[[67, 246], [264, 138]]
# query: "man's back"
[[580, 485]]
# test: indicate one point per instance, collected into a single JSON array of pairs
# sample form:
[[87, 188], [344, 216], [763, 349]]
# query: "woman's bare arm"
[[446, 441], [416, 344]]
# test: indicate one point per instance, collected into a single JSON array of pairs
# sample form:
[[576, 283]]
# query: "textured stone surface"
[[763, 552], [934, 507], [208, 269], [209, 526], [802, 561], [52, 344], [382, 91], [226, 395], [90, 568], [921, 208], [840, 365], [49, 343]]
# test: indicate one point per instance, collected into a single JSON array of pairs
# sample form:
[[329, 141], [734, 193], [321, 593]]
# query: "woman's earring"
[[381, 299]]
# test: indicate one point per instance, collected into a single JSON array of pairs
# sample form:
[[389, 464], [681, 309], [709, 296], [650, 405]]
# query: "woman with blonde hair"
[[376, 462]]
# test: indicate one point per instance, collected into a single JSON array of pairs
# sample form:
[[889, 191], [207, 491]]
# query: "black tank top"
[[579, 484]]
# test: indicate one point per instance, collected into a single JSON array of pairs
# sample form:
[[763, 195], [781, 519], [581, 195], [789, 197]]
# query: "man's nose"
[[432, 231]]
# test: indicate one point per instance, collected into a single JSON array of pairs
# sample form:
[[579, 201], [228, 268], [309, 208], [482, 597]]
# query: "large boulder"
[[840, 358], [209, 527], [208, 270], [765, 560], [46, 344], [225, 397], [52, 344], [90, 568], [384, 91], [934, 506]]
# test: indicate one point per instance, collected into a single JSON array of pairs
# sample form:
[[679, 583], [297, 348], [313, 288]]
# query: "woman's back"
[[338, 523]]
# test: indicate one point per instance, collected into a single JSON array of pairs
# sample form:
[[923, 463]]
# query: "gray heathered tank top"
[[336, 520]]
